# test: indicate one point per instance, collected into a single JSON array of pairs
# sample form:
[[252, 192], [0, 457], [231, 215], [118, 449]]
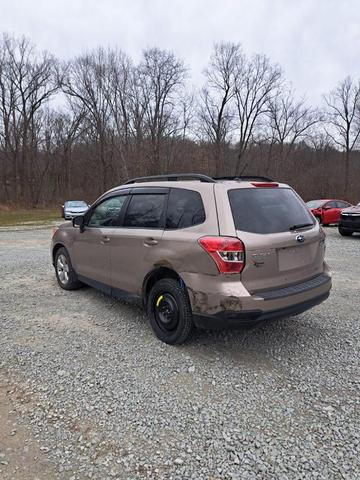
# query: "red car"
[[327, 211]]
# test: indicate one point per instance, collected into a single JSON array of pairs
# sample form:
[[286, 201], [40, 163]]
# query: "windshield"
[[268, 210], [315, 203], [76, 203]]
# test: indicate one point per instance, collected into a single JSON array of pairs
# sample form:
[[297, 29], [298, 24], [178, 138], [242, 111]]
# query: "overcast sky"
[[317, 42]]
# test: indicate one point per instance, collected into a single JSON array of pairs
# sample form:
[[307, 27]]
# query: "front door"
[[91, 249], [331, 213]]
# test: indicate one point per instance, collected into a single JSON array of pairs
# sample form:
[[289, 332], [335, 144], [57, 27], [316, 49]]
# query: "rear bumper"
[[240, 309], [229, 319]]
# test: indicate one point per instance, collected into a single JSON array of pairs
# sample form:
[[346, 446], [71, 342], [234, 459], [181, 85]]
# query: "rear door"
[[283, 243], [340, 207], [134, 244]]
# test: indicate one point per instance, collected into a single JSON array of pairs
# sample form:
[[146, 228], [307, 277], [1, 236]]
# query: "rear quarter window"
[[267, 210], [185, 209]]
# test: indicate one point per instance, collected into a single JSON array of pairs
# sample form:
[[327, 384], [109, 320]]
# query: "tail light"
[[227, 252]]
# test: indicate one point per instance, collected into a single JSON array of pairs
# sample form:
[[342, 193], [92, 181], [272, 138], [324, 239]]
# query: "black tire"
[[65, 274], [169, 311], [345, 233]]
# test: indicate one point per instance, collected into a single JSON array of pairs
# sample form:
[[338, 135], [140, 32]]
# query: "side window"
[[331, 204], [145, 211], [106, 213], [342, 204], [185, 208]]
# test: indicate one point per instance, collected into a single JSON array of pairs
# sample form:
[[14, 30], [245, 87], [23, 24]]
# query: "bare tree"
[[257, 81], [27, 81], [67, 126], [343, 119], [161, 76], [120, 96], [187, 114], [85, 81], [216, 109], [289, 121]]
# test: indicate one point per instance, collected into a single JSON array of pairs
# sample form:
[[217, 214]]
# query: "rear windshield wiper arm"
[[301, 225]]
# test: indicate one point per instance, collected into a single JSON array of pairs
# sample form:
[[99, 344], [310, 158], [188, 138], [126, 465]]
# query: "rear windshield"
[[267, 210]]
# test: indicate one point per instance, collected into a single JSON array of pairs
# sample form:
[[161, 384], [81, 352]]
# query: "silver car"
[[73, 208]]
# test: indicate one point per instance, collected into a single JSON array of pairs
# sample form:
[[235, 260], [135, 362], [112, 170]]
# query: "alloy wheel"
[[62, 268]]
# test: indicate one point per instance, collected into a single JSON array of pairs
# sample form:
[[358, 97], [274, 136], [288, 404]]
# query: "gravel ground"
[[87, 391]]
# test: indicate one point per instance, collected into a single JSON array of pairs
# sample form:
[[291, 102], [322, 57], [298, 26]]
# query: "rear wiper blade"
[[301, 225]]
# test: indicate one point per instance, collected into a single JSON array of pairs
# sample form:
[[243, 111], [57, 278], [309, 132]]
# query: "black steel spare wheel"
[[169, 311], [166, 312]]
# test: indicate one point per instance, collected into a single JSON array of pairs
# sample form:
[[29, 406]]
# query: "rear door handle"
[[105, 240], [149, 242]]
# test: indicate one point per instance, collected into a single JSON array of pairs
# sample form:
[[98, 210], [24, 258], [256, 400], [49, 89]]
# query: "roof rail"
[[246, 178], [173, 177]]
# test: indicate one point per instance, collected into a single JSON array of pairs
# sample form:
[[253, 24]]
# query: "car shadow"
[[258, 345]]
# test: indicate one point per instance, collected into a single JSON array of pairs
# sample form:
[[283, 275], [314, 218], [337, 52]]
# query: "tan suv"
[[199, 251]]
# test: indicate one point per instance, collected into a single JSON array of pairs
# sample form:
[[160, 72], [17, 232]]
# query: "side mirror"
[[79, 222]]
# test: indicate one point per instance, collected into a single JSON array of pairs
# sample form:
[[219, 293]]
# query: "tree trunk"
[[347, 173]]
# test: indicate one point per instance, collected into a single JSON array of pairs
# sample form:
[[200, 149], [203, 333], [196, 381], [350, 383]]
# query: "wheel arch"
[[155, 275], [56, 247]]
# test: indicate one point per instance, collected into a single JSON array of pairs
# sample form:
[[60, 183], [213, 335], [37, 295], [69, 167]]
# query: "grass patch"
[[28, 217]]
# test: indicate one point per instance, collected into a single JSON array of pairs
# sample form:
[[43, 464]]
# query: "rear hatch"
[[284, 245]]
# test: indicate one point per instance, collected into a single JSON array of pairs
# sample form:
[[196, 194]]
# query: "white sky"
[[317, 42]]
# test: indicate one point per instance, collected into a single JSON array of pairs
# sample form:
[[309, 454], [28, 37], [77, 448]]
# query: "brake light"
[[265, 184], [227, 252]]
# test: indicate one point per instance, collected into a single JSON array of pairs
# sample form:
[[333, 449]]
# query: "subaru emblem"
[[300, 238]]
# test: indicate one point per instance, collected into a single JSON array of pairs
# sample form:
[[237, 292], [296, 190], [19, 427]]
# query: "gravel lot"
[[87, 391]]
